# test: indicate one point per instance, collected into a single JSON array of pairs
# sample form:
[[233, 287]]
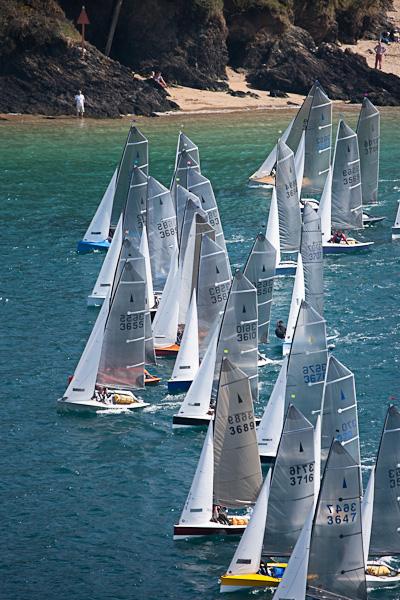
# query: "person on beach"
[[80, 104], [379, 52], [158, 78]]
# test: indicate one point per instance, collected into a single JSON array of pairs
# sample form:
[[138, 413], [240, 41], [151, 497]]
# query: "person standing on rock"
[[379, 52], [80, 104]]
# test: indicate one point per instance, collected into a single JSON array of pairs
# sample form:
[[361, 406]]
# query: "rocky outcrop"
[[41, 68], [293, 63], [186, 40]]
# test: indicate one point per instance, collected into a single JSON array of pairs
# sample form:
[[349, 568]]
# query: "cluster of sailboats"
[[166, 289]]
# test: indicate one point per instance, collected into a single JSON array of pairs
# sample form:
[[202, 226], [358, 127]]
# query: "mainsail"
[[237, 467], [311, 254], [292, 485], [136, 153], [288, 200], [165, 324], [185, 163], [271, 425], [318, 142], [272, 233], [213, 286], [260, 271], [301, 120], [346, 181], [161, 230], [386, 517], [339, 410], [265, 170], [134, 214], [184, 143], [336, 564], [201, 186], [122, 357], [238, 339], [307, 363], [368, 134]]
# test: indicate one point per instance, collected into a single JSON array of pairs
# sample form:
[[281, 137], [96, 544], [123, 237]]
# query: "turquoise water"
[[88, 503]]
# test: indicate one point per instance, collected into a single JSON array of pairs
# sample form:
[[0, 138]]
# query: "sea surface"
[[88, 503]]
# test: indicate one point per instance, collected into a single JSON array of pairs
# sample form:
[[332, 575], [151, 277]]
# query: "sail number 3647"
[[341, 513]]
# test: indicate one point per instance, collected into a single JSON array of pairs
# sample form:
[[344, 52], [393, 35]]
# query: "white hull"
[[286, 348], [95, 300], [93, 406], [395, 233]]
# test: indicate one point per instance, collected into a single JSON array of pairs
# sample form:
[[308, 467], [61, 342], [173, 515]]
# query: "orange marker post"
[[83, 20]]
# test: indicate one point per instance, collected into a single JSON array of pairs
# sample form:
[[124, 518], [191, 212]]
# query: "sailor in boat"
[[280, 330], [338, 237]]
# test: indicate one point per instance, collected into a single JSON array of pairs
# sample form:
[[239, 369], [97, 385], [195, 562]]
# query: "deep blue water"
[[88, 503]]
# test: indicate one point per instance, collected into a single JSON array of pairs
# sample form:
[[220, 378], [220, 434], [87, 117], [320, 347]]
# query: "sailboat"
[[165, 322], [396, 226], [341, 200], [196, 410], [187, 360], [229, 470], [300, 381], [103, 223], [98, 233], [328, 559], [384, 504], [281, 509], [113, 359]]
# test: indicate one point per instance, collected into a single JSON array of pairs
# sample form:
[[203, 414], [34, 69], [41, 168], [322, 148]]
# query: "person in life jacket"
[[280, 330]]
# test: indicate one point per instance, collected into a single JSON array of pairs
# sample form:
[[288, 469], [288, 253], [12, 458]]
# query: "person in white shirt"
[[80, 104]]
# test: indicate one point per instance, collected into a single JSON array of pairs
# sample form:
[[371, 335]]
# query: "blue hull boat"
[[85, 247]]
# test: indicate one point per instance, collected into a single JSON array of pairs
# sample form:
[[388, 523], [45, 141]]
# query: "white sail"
[[99, 227], [297, 297], [294, 581], [82, 384], [187, 361], [144, 251], [185, 143], [106, 276], [135, 154], [288, 200], [161, 230], [247, 557], [199, 503], [165, 324], [269, 163], [367, 510], [368, 134], [134, 213], [197, 399], [270, 428], [299, 162], [272, 233], [317, 458], [318, 141], [396, 224], [324, 208]]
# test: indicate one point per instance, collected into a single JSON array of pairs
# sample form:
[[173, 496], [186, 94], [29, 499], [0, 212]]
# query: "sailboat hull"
[[95, 301], [375, 581], [267, 182], [93, 406], [182, 421], [395, 233], [352, 247], [168, 351], [235, 583], [85, 247], [286, 267], [176, 386], [185, 532]]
